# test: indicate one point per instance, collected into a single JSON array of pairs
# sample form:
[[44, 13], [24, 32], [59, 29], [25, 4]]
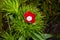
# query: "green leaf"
[[21, 38], [38, 36], [10, 5], [47, 35], [44, 36], [33, 36], [11, 17], [7, 36]]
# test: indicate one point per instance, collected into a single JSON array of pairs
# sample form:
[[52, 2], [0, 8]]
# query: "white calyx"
[[29, 18]]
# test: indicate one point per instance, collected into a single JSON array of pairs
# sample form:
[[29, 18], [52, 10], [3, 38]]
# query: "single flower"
[[29, 17]]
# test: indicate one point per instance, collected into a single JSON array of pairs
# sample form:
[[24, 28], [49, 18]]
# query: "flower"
[[29, 17]]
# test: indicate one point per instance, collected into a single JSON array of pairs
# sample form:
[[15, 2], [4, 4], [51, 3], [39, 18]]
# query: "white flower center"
[[29, 18]]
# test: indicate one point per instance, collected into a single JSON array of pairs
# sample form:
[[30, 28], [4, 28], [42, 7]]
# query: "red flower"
[[29, 17]]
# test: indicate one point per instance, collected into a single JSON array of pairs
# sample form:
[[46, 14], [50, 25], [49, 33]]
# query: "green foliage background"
[[14, 10]]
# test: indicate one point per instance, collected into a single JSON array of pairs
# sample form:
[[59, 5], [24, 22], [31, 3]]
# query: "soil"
[[54, 28]]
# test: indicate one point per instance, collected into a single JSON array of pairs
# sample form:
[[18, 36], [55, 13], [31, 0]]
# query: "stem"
[[8, 24]]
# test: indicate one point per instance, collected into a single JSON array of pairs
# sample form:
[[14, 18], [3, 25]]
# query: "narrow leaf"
[[21, 38]]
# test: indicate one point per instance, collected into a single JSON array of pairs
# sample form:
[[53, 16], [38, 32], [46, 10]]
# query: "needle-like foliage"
[[15, 18]]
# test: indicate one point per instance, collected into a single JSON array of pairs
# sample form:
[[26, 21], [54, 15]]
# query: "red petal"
[[29, 14]]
